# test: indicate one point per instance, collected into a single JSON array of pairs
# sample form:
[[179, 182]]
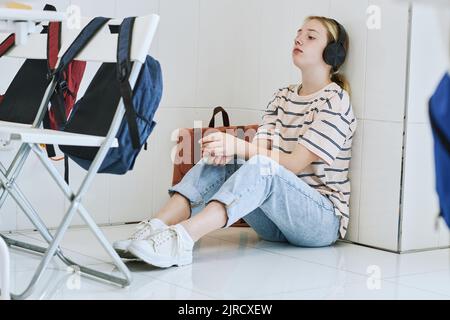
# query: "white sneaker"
[[143, 230], [171, 246]]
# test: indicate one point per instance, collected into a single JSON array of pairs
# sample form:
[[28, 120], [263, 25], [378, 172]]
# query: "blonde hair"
[[332, 34]]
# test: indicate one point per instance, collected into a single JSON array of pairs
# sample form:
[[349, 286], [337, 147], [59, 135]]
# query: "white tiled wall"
[[386, 63], [420, 204], [354, 20], [236, 54], [380, 183]]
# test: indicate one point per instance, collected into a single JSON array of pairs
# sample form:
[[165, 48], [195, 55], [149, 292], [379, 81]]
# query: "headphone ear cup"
[[334, 54]]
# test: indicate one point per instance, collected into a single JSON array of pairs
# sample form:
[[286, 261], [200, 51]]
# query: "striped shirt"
[[324, 123]]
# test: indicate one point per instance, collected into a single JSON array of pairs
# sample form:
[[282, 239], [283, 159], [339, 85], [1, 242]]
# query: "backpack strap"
[[7, 44], [225, 118], [53, 31], [82, 40], [123, 74], [53, 40]]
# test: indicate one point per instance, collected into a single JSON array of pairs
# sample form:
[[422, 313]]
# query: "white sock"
[[184, 233]]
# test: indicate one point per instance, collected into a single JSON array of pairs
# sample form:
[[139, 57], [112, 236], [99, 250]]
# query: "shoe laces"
[[144, 229], [164, 235]]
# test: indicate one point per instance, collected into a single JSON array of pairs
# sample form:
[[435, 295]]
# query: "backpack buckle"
[[123, 73], [63, 86]]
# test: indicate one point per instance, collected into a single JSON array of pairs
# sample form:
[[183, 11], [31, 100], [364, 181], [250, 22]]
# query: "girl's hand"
[[220, 144]]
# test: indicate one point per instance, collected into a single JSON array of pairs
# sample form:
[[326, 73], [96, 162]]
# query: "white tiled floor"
[[235, 264]]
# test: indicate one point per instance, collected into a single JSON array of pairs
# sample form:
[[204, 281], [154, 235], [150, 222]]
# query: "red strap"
[[53, 43], [6, 45], [1, 98]]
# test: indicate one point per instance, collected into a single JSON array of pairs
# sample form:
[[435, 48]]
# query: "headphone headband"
[[341, 33]]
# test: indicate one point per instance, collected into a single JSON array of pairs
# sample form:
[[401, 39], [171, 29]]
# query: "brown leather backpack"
[[188, 140]]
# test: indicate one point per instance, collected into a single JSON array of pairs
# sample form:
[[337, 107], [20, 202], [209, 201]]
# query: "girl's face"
[[309, 45]]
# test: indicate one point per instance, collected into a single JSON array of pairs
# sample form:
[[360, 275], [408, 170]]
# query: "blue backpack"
[[94, 112], [439, 113]]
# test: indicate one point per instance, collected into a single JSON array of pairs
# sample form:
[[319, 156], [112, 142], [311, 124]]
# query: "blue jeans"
[[276, 203]]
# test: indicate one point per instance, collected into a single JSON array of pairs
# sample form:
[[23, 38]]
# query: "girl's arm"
[[223, 144], [296, 161]]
